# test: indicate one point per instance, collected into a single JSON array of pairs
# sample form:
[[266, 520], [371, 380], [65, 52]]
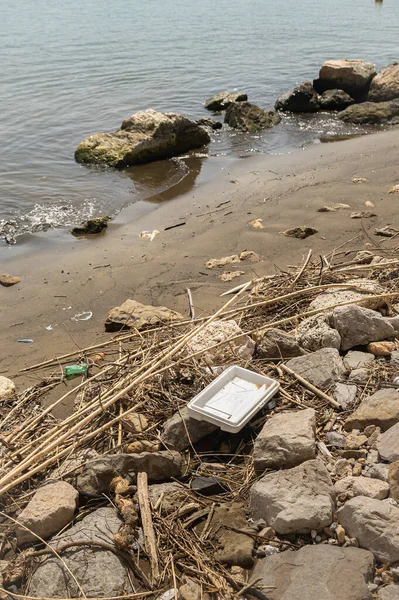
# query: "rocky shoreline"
[[137, 499]]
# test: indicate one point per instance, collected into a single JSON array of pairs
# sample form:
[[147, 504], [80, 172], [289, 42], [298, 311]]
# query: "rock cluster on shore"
[[304, 500], [351, 87]]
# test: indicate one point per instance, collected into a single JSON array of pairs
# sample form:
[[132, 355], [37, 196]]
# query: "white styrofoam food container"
[[232, 399]]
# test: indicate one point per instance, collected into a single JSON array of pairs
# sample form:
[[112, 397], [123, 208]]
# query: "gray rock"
[[295, 500], [335, 100], [174, 496], [375, 524], [388, 444], [339, 296], [96, 476], [393, 480], [315, 333], [52, 508], [381, 409], [358, 326], [372, 113], [181, 430], [249, 117], [321, 572], [362, 486], [336, 439], [322, 368], [301, 99], [345, 394], [394, 360], [101, 573], [144, 137], [360, 375], [278, 344], [390, 592], [222, 100], [232, 547], [378, 471], [190, 590], [286, 440], [357, 360]]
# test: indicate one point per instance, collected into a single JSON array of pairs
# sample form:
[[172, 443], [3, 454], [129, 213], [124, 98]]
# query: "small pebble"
[[340, 533], [357, 470]]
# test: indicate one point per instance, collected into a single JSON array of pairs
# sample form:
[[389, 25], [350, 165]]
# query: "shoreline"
[[98, 274]]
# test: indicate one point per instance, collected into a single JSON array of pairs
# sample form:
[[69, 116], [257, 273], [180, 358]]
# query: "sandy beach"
[[63, 276]]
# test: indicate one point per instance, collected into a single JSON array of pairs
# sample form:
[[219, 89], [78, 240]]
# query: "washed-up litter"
[[174, 226], [49, 327], [25, 341], [213, 263], [333, 207], [72, 371], [233, 398], [230, 275], [256, 224], [83, 316], [364, 214], [149, 235], [387, 231]]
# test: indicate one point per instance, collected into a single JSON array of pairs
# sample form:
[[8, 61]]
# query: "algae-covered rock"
[[144, 137], [372, 113], [92, 226], [249, 117], [301, 99]]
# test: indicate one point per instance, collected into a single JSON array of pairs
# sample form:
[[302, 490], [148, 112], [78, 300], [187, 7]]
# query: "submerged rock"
[[144, 137], [351, 75], [335, 100], [322, 572], [385, 85], [92, 226], [222, 100], [301, 99], [249, 117], [100, 572], [215, 125], [132, 314], [372, 113]]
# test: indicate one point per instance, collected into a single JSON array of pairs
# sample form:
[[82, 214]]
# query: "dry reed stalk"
[[127, 597], [311, 387], [36, 455]]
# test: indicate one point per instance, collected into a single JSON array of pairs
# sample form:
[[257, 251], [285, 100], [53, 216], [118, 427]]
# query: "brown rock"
[[278, 344], [388, 444], [135, 422], [393, 480], [231, 547], [222, 100], [132, 314], [381, 348], [351, 75], [9, 280]]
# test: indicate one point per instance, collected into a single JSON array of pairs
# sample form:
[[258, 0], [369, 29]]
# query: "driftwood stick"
[[311, 387], [148, 527], [305, 264]]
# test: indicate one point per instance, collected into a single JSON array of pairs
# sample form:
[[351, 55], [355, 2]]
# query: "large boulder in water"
[[144, 137], [335, 100], [222, 100], [301, 99], [385, 85], [249, 117], [373, 113], [352, 75]]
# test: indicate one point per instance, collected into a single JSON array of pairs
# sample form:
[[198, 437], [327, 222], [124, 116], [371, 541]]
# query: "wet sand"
[[63, 276]]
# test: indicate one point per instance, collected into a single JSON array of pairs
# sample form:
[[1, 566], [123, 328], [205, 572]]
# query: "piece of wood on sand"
[[148, 527]]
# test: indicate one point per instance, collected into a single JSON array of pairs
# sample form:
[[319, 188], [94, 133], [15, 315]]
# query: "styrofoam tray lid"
[[233, 397]]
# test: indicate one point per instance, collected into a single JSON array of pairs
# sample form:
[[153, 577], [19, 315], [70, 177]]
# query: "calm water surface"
[[71, 68]]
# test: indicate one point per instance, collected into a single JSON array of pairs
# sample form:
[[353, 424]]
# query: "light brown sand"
[[59, 271]]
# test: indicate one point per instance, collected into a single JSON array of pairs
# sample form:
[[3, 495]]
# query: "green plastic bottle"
[[75, 370]]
